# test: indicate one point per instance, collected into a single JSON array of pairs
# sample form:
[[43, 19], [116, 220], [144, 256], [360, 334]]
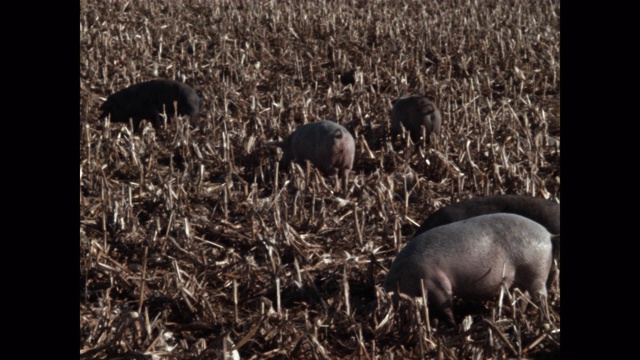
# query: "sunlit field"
[[195, 244]]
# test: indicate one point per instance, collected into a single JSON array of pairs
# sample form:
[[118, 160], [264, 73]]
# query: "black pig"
[[544, 212], [146, 101], [414, 112]]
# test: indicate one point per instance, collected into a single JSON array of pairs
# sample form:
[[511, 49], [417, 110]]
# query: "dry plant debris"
[[195, 245]]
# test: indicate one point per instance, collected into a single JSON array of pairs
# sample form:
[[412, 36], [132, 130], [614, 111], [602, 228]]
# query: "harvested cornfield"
[[194, 244]]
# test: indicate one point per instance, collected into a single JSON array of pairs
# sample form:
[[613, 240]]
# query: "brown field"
[[194, 245]]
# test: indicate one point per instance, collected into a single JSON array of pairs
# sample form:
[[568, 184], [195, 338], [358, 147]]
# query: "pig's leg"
[[538, 291], [441, 295], [158, 120], [285, 162]]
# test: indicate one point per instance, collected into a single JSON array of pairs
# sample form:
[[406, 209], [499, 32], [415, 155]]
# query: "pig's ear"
[[106, 105], [393, 101]]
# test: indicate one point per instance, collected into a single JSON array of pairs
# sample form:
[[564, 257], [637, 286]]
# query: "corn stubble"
[[195, 245]]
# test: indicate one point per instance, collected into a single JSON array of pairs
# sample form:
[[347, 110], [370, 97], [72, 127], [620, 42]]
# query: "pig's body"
[[544, 212], [327, 145], [467, 259], [146, 101], [413, 113]]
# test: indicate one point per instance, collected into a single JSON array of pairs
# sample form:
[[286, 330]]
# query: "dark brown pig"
[[468, 259], [145, 101], [327, 145], [544, 212], [414, 112]]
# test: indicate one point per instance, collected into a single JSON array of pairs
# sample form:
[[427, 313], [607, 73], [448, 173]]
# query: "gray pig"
[[414, 112], [544, 212], [327, 145], [467, 259], [145, 101]]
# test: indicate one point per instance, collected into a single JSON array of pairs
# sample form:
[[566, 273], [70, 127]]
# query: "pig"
[[414, 112], [145, 101], [544, 212], [327, 145], [467, 258]]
